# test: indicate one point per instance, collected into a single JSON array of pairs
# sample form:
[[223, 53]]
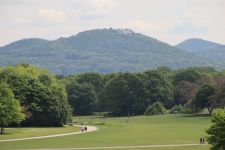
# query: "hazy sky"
[[167, 20]]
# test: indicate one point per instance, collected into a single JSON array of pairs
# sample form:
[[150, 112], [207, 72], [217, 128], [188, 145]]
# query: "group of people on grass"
[[83, 129], [202, 140]]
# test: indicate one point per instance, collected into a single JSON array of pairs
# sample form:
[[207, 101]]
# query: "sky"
[[171, 21]]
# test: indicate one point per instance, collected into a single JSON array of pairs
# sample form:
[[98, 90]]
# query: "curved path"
[[90, 129]]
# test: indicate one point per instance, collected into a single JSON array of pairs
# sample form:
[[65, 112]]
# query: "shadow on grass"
[[6, 133]]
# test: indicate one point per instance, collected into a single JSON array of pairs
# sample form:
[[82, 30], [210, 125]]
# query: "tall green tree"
[[159, 87], [190, 74], [218, 99], [94, 79], [40, 93], [203, 97], [82, 98], [95, 82], [10, 109], [124, 95], [184, 91], [217, 131]]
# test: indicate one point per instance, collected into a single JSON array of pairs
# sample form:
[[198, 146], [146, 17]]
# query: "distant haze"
[[171, 21]]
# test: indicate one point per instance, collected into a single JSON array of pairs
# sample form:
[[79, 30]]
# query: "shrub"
[[176, 109], [188, 108], [187, 111], [217, 130], [155, 109]]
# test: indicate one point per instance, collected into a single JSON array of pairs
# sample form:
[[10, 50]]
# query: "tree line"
[[185, 90], [39, 98]]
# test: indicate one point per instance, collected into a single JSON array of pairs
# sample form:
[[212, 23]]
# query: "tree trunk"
[[210, 109], [2, 129], [195, 110]]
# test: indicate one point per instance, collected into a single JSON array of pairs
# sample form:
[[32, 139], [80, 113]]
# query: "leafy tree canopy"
[[124, 95], [159, 86], [10, 109], [203, 95], [82, 98], [217, 131], [40, 93]]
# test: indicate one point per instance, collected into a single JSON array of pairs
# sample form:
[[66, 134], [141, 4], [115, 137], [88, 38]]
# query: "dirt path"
[[90, 129]]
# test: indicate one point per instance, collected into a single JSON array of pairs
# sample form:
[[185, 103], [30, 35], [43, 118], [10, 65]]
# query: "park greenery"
[[188, 90], [121, 131], [10, 109], [155, 109], [42, 97], [217, 131], [31, 96], [49, 100]]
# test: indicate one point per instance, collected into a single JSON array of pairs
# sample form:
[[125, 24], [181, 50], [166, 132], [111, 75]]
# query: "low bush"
[[155, 109], [176, 109]]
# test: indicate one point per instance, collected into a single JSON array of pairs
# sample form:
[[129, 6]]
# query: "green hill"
[[100, 50], [198, 45], [212, 51]]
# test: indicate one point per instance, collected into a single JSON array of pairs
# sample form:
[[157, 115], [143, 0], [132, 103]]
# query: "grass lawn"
[[203, 147], [13, 133], [141, 130]]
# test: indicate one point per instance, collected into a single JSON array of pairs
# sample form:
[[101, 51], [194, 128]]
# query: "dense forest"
[[49, 100], [184, 90]]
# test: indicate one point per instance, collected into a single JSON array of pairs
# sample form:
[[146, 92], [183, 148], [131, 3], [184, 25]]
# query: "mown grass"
[[13, 133], [141, 130], [202, 147]]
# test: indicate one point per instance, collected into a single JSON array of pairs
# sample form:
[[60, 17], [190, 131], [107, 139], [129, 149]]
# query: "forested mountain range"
[[104, 51], [212, 51], [198, 45]]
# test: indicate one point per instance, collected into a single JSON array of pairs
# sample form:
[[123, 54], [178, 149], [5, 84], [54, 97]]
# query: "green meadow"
[[120, 131], [13, 133]]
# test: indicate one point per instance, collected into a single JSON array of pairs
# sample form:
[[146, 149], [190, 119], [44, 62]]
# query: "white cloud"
[[21, 20], [103, 6], [139, 25], [96, 8], [51, 15], [188, 14], [187, 27]]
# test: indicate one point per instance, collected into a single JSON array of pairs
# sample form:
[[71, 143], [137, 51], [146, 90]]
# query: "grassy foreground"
[[203, 147], [13, 133], [141, 130]]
